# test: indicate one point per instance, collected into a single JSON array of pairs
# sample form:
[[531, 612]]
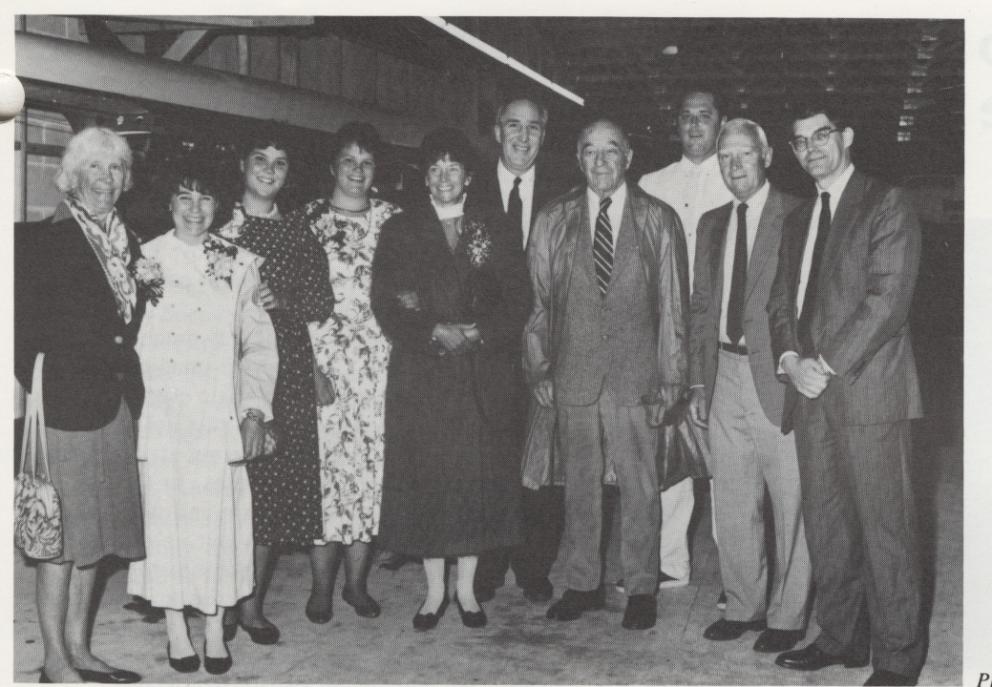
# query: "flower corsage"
[[232, 230], [478, 244], [147, 273], [220, 259]]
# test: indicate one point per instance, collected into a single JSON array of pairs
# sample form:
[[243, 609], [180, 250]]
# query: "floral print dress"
[[353, 353]]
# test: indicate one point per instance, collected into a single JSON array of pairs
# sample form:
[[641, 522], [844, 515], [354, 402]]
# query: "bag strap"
[[35, 440]]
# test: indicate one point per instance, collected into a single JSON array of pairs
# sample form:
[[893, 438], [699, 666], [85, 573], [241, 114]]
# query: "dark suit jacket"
[[64, 307], [548, 183], [860, 324], [707, 299]]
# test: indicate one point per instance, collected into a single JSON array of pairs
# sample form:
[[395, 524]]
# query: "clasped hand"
[[454, 338], [268, 299], [808, 375], [252, 437]]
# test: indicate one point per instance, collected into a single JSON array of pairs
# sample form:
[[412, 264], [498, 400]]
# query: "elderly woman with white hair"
[[77, 301]]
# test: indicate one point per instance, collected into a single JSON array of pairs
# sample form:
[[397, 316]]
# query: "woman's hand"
[[253, 434], [268, 299], [409, 300], [451, 338]]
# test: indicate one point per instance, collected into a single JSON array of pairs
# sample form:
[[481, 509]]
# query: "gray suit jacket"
[[860, 323], [707, 299]]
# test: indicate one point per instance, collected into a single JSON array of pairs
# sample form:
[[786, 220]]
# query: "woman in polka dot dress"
[[295, 291]]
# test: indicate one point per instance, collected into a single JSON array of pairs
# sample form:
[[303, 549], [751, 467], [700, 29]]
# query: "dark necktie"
[[809, 300], [735, 306], [515, 207], [602, 247]]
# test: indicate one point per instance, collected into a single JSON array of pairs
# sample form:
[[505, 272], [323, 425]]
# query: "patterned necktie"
[[735, 306], [602, 247], [809, 300], [515, 207]]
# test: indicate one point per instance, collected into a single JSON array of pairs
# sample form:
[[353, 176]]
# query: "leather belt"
[[733, 348]]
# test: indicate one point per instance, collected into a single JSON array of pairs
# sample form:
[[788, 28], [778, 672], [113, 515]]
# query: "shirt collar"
[[506, 177], [449, 211], [708, 165], [840, 183], [756, 202], [617, 198]]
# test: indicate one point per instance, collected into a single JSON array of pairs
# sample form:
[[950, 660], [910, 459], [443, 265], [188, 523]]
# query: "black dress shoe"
[[641, 612], [536, 591], [471, 618], [186, 664], [428, 621], [813, 657], [230, 631], [266, 634], [887, 677], [114, 677], [217, 666], [319, 616], [484, 593], [723, 630], [364, 605], [772, 641], [573, 604], [43, 678]]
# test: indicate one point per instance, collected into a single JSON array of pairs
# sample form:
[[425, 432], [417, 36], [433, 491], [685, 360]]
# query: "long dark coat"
[[452, 464]]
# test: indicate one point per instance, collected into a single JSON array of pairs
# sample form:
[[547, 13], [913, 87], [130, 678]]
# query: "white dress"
[[196, 504]]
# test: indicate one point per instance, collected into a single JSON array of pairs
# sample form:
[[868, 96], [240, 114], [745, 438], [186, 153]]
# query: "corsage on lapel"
[[478, 243], [147, 273]]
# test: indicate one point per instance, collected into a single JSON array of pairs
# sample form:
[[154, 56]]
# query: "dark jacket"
[[64, 307]]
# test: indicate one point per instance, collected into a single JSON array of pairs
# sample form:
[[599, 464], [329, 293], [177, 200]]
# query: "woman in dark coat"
[[451, 292], [77, 301]]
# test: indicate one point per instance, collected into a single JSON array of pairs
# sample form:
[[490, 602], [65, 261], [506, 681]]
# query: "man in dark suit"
[[735, 389], [609, 271], [839, 317], [518, 184]]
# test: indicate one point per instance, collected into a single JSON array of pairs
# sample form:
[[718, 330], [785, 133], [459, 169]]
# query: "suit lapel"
[[842, 223], [798, 246], [765, 243], [719, 237]]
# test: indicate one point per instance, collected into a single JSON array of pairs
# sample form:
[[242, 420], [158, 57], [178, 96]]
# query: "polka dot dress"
[[286, 493]]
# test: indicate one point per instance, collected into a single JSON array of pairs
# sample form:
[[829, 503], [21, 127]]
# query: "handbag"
[[37, 511], [683, 449]]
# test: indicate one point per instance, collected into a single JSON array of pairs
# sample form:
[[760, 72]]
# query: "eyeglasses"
[[801, 144]]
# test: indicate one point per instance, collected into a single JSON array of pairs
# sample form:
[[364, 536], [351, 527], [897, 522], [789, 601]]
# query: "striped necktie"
[[602, 247]]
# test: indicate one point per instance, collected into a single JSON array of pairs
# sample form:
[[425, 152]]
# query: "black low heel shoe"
[[259, 635], [364, 605], [217, 666], [471, 618], [114, 677], [319, 617], [230, 631], [187, 664], [428, 621]]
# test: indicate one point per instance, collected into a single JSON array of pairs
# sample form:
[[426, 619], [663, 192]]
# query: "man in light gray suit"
[[734, 387], [609, 271], [839, 317]]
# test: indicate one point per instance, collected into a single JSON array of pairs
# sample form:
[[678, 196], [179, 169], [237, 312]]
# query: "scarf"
[[112, 252]]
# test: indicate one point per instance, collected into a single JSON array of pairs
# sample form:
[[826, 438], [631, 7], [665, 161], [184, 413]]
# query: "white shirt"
[[506, 178], [614, 212], [755, 206], [691, 190]]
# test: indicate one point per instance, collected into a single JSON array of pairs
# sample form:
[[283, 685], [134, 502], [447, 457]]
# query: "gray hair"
[[542, 111], [82, 146], [746, 126]]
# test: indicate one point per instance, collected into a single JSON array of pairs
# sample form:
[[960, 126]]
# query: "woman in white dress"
[[209, 361]]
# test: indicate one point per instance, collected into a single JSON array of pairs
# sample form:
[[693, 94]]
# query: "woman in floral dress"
[[352, 352], [295, 291]]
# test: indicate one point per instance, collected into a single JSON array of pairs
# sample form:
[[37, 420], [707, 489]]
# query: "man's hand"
[[252, 435], [544, 392], [451, 338], [697, 406], [808, 375], [472, 333]]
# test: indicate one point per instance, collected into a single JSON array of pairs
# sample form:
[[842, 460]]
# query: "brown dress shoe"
[[723, 630]]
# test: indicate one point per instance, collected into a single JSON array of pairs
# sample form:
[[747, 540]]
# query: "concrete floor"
[[520, 646]]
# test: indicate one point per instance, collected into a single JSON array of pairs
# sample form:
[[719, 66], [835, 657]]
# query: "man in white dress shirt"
[[692, 186]]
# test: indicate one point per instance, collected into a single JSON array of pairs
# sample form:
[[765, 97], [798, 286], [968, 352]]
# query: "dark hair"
[[195, 176], [264, 136], [361, 134], [447, 141], [542, 110], [829, 107], [718, 100]]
